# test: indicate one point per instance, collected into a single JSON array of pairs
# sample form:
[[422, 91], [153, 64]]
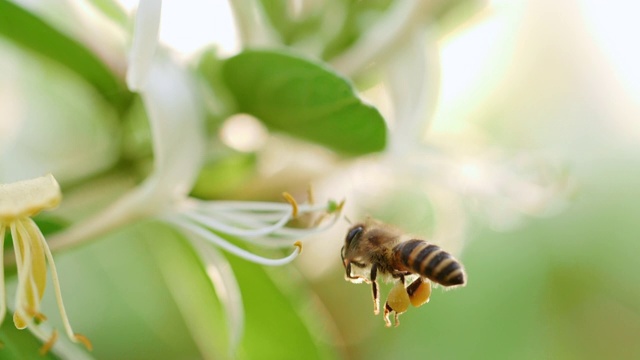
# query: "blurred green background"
[[552, 81]]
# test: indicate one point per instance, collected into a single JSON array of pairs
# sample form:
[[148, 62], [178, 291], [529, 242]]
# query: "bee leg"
[[374, 288], [400, 275], [349, 276], [348, 271], [387, 311]]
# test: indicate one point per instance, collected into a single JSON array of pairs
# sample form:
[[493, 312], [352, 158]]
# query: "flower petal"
[[177, 123], [145, 42], [224, 282], [412, 80], [38, 264], [382, 38], [28, 197]]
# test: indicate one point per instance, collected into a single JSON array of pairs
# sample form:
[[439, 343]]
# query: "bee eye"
[[353, 234]]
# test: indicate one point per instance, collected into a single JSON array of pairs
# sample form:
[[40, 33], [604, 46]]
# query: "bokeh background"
[[543, 89]]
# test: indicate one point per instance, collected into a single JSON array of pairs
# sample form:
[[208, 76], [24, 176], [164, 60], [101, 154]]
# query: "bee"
[[375, 248]]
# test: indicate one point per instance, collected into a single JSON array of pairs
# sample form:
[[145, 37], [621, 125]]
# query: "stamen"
[[310, 198], [40, 317], [37, 316], [232, 230], [242, 205], [224, 244], [256, 219], [23, 256], [298, 244], [56, 282], [84, 341], [293, 203], [305, 232], [49, 344], [35, 269]]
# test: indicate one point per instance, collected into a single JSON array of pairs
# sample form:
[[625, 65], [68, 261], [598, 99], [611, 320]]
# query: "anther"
[[38, 317], [293, 203], [298, 244], [310, 197], [84, 340], [49, 344]]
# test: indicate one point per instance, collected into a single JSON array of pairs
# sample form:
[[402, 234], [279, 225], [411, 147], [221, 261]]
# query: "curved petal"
[[145, 42], [383, 37], [224, 282], [412, 80], [177, 123]]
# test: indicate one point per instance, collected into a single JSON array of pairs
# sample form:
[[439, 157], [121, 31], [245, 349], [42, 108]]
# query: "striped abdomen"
[[430, 261]]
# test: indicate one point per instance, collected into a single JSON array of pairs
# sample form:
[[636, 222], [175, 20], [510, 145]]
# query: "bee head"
[[350, 243], [353, 235]]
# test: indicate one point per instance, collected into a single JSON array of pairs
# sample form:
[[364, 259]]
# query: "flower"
[[147, 26], [176, 116], [20, 201]]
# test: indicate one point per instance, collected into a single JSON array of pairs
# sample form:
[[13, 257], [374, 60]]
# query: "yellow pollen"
[[49, 344], [293, 203]]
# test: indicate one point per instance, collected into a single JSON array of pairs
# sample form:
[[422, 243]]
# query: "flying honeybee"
[[377, 249]]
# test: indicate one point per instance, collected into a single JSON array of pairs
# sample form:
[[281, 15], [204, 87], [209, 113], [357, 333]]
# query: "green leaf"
[[304, 99], [143, 292], [31, 32], [275, 324], [224, 176], [113, 10], [184, 276], [20, 344], [217, 97]]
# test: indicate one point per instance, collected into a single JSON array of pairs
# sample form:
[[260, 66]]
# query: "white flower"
[[18, 203], [453, 177], [145, 42], [176, 116]]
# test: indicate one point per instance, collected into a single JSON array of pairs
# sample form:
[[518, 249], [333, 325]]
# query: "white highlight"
[[244, 133]]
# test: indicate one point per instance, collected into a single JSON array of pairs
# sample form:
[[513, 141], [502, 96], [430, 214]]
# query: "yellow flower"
[[18, 203]]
